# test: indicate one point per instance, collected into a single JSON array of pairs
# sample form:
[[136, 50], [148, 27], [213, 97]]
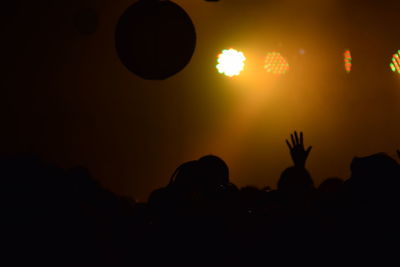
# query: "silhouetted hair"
[[295, 179], [378, 173], [186, 176], [214, 171], [367, 169], [331, 185]]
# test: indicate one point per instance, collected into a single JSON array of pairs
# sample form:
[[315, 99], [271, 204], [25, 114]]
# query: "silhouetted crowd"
[[57, 217]]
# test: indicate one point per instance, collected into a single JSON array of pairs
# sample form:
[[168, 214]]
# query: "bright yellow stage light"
[[230, 62]]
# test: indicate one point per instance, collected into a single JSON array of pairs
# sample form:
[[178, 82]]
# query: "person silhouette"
[[295, 183], [214, 172], [297, 152]]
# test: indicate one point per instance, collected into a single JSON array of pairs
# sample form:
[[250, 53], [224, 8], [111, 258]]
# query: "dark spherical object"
[[155, 39], [86, 21]]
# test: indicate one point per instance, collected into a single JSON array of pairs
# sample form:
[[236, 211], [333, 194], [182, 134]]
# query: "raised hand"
[[297, 152]]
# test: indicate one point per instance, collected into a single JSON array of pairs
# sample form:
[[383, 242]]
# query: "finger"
[[309, 150], [301, 138], [293, 142], [288, 144], [297, 138]]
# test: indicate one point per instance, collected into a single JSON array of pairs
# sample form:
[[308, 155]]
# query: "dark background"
[[66, 96]]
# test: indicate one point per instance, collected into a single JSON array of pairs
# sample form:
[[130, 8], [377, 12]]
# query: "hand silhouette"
[[297, 152]]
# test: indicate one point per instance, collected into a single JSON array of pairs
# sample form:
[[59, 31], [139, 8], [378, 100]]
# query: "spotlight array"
[[395, 64], [275, 63], [347, 61], [231, 62]]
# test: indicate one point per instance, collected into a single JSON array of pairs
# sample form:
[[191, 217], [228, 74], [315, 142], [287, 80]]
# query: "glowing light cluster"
[[347, 61], [230, 62], [395, 64], [275, 63]]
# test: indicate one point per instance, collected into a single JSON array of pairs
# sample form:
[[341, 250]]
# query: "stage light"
[[347, 61], [275, 63], [230, 62], [395, 64]]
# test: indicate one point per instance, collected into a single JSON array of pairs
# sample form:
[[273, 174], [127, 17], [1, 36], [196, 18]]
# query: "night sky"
[[66, 96]]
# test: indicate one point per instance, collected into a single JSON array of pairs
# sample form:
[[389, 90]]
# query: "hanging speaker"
[[155, 39]]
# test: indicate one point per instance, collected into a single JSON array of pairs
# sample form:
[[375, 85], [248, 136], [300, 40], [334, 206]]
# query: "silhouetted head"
[[160, 198], [295, 180], [374, 178], [375, 170], [373, 191], [214, 171], [331, 185], [186, 176]]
